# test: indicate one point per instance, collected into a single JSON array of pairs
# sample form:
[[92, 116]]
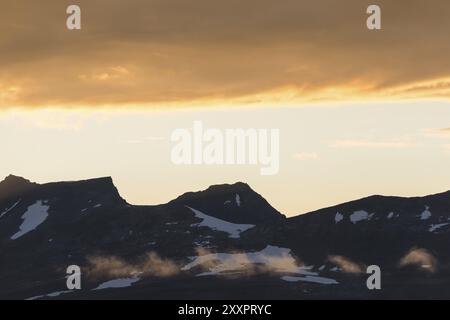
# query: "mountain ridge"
[[232, 229], [238, 186]]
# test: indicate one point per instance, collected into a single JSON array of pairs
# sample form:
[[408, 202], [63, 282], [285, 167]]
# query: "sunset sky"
[[360, 112]]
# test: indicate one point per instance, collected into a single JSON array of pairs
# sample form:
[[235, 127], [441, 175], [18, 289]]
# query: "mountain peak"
[[237, 203], [100, 180], [13, 185], [13, 179], [215, 190], [226, 188], [102, 189]]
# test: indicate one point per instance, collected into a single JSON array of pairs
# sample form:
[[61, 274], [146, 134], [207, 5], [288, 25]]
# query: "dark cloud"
[[159, 51]]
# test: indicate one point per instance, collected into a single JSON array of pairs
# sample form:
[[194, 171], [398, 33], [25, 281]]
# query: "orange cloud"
[[164, 52]]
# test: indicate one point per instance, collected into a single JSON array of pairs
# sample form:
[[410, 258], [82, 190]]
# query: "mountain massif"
[[226, 242]]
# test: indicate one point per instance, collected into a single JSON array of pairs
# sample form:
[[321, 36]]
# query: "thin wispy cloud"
[[144, 140], [306, 156], [420, 258], [372, 144], [437, 132], [149, 265], [154, 138], [134, 141], [445, 131], [346, 265]]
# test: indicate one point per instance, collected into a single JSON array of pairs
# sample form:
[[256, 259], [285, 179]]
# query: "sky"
[[360, 112], [328, 153]]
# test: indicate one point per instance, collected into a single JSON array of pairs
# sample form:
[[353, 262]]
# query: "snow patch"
[[313, 279], [50, 295], [234, 230], [117, 283], [238, 200], [338, 217], [426, 214], [359, 216], [435, 227], [35, 215], [335, 269], [10, 208]]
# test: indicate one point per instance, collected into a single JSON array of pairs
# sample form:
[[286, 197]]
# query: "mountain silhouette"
[[224, 242]]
